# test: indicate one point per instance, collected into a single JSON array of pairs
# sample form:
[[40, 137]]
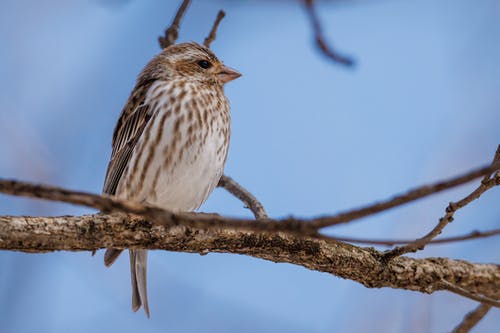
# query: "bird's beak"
[[227, 74]]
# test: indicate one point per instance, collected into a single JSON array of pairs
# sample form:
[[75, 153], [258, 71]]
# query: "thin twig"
[[211, 36], [111, 204], [320, 40], [472, 318], [401, 199], [465, 293], [490, 180], [391, 242], [245, 196], [303, 227], [172, 33]]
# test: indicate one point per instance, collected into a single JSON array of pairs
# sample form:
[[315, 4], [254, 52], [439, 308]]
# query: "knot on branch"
[[452, 207]]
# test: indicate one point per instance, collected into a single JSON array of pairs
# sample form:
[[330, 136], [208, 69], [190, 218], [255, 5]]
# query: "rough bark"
[[364, 265]]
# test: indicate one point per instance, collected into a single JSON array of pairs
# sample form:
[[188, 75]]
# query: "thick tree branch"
[[364, 265], [282, 241]]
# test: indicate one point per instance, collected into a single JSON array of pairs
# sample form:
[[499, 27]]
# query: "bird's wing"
[[129, 128]]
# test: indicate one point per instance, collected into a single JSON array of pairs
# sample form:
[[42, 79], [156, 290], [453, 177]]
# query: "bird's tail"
[[110, 256], [138, 266]]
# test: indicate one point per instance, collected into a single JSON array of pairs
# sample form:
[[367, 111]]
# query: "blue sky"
[[308, 138]]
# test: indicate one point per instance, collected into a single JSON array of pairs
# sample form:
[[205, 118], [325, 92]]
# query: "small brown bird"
[[171, 141]]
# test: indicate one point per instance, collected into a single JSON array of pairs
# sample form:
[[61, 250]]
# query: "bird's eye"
[[204, 64]]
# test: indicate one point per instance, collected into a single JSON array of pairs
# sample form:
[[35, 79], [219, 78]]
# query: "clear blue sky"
[[308, 138]]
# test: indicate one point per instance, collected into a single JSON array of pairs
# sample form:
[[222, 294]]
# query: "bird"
[[171, 141]]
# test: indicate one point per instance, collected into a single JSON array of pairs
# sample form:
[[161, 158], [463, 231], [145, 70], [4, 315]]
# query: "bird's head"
[[193, 62]]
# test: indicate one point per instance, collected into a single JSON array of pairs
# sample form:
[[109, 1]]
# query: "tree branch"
[[211, 36], [296, 241], [390, 242], [304, 227], [282, 241], [465, 293], [363, 265], [108, 204], [401, 199], [244, 195], [472, 318], [490, 180], [320, 40], [172, 33]]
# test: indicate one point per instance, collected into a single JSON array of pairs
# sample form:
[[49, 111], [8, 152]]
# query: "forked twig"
[[490, 180], [172, 33]]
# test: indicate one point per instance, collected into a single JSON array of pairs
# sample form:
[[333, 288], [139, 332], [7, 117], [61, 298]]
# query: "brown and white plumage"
[[170, 143]]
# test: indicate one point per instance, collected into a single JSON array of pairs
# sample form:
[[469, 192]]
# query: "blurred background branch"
[[324, 47]]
